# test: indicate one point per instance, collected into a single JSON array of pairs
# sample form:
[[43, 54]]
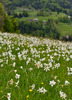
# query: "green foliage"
[[7, 24], [43, 13], [54, 5], [25, 13], [40, 28], [64, 19], [2, 16], [20, 14]]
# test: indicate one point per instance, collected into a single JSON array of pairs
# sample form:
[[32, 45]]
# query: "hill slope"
[[35, 69], [54, 5]]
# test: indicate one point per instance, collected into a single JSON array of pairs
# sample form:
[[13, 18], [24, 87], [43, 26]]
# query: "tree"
[[2, 16]]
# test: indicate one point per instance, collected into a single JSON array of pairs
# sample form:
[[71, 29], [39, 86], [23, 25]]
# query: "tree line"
[[53, 5]]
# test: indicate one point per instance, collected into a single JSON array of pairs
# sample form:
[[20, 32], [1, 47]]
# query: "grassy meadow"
[[34, 68], [65, 29], [33, 14]]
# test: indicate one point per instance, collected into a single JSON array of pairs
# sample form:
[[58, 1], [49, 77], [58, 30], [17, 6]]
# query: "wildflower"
[[52, 83], [17, 76], [42, 83], [46, 68], [38, 64], [30, 90], [55, 77], [27, 96], [57, 65], [14, 64], [30, 69], [70, 56], [21, 67], [44, 91], [15, 71], [33, 86], [11, 81], [17, 83], [8, 96], [50, 64], [40, 90], [67, 59], [66, 82], [19, 56], [1, 65], [62, 94], [58, 81]]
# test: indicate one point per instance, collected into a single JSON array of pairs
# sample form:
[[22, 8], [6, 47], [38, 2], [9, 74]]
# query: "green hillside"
[[53, 5], [52, 22]]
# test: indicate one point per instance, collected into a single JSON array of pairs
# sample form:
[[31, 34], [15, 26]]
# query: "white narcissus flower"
[[67, 59], [30, 69], [33, 86], [67, 83], [8, 96], [27, 62], [57, 65], [14, 64], [15, 71], [11, 81], [62, 94], [70, 56], [1, 65], [46, 68], [17, 83], [21, 67], [42, 90], [17, 76], [52, 83], [55, 77], [50, 64], [19, 55]]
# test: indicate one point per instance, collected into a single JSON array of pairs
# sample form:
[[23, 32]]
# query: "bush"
[[50, 29], [64, 19]]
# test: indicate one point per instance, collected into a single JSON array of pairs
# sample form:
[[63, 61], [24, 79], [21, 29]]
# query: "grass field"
[[65, 29], [33, 15], [34, 68]]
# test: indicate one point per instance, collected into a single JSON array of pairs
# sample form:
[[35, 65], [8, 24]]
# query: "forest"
[[53, 5]]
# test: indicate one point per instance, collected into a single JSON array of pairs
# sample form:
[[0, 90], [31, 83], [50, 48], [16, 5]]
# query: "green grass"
[[38, 54], [65, 29], [33, 15]]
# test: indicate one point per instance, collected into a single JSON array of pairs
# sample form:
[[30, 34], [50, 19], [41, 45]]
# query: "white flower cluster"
[[62, 94], [69, 71], [9, 96], [42, 90], [30, 54]]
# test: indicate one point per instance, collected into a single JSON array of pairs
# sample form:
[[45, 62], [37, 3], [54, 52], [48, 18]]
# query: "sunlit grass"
[[65, 29]]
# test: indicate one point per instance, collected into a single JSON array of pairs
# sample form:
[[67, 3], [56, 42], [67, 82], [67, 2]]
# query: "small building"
[[36, 19]]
